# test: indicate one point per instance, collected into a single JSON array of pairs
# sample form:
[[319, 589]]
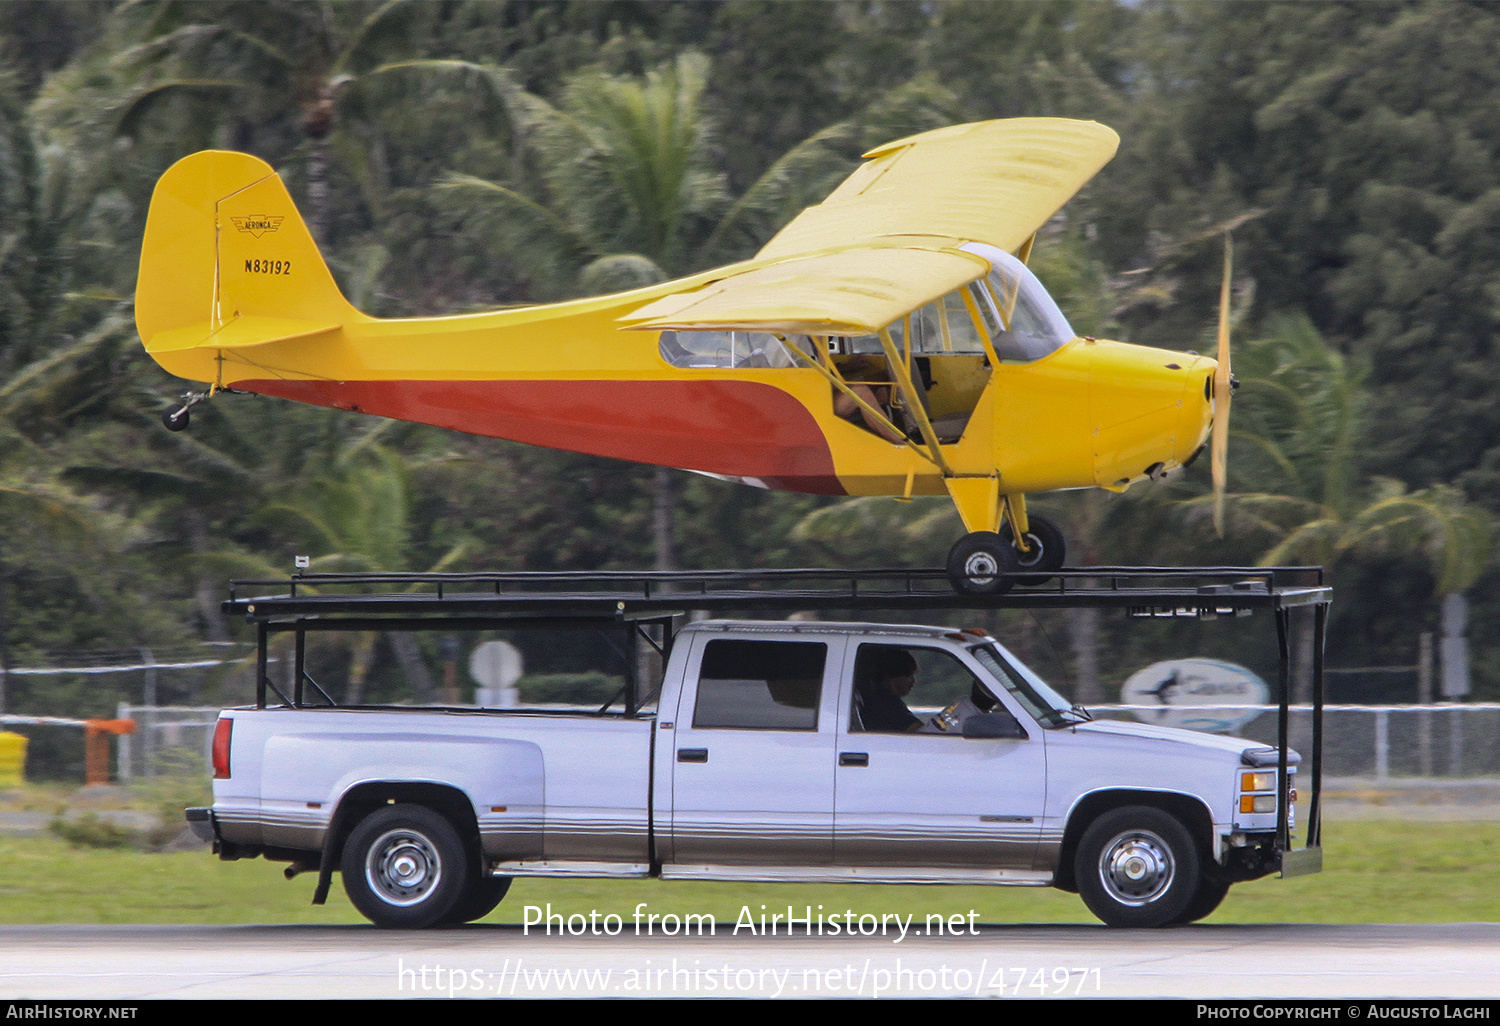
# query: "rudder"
[[226, 263]]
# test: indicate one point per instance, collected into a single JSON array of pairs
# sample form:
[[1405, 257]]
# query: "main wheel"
[[1211, 890], [982, 563], [1047, 548], [1137, 866], [484, 893], [405, 866]]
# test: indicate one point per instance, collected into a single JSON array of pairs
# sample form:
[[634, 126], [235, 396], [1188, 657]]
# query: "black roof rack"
[[628, 595], [639, 601]]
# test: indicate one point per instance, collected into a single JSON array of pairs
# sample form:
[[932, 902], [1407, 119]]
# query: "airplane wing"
[[995, 182], [845, 292]]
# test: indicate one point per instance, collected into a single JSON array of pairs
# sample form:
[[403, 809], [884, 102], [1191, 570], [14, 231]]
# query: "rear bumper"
[[201, 822]]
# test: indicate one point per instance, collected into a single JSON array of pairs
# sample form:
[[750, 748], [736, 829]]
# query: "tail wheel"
[[404, 866], [175, 418], [1137, 866], [1046, 550], [982, 563]]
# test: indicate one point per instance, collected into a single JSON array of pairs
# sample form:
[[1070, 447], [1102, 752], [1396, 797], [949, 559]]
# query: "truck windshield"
[[1049, 708]]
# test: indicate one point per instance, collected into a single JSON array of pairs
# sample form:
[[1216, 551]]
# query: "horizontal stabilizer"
[[240, 333]]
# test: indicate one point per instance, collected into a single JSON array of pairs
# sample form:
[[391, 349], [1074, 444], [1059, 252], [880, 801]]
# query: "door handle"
[[692, 755], [854, 758]]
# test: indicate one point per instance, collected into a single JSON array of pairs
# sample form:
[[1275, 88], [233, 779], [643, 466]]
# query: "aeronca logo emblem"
[[257, 224]]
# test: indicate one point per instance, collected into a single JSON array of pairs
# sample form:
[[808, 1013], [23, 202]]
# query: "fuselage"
[[569, 376]]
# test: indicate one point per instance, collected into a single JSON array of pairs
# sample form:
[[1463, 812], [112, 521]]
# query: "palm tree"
[[618, 186], [356, 517], [626, 192], [1300, 426], [273, 77]]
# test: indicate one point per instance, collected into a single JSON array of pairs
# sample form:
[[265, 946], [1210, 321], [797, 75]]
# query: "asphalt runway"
[[1003, 962]]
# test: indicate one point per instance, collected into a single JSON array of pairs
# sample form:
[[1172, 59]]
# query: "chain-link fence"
[[168, 739]]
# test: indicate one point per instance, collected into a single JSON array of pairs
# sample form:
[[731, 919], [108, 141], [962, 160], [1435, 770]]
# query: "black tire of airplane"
[[175, 418], [1049, 549], [982, 563]]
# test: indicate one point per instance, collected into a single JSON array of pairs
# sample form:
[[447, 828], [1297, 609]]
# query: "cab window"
[[897, 688], [1024, 323], [760, 685]]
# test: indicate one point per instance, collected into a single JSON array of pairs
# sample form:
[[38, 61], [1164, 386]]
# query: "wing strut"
[[839, 383], [912, 400]]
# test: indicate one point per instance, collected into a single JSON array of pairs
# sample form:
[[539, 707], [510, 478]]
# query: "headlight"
[[1257, 781], [1257, 791]]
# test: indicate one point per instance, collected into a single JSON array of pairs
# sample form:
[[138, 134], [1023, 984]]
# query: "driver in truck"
[[883, 676]]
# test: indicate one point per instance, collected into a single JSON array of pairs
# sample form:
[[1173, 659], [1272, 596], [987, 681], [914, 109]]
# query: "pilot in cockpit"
[[856, 372]]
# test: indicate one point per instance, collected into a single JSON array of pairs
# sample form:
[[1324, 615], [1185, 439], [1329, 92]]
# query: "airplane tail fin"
[[228, 263]]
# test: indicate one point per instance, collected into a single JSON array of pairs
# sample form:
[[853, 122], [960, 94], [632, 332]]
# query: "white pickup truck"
[[777, 750]]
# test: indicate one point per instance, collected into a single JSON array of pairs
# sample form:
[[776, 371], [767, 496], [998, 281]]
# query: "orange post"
[[96, 747]]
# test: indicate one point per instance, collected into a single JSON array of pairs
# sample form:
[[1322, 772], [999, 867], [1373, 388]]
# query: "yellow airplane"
[[888, 341]]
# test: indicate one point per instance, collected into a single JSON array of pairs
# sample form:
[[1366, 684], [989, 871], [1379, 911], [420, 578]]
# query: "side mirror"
[[994, 724]]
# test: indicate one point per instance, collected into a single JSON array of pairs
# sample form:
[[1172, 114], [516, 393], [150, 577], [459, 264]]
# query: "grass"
[[1376, 872]]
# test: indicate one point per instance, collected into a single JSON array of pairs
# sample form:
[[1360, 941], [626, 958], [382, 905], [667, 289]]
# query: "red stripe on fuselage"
[[735, 428]]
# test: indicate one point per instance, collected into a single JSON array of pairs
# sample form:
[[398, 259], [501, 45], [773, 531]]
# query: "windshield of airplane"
[[1023, 321], [1011, 307]]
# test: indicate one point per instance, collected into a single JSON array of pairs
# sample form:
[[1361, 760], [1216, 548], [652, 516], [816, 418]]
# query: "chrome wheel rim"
[[403, 867], [982, 567], [1137, 867]]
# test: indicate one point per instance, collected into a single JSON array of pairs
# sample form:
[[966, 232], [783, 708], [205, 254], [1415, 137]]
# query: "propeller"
[[1223, 390]]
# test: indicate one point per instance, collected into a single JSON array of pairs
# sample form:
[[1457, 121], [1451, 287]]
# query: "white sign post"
[[495, 667]]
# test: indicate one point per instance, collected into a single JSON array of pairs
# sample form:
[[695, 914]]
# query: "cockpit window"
[[940, 328], [730, 349], [1008, 305], [1025, 324]]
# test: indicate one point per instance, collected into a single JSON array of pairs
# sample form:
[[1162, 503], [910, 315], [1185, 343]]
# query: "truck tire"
[[1137, 866], [1211, 891], [484, 893], [405, 867]]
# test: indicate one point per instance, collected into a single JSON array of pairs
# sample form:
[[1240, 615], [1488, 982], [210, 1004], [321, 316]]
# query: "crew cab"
[[773, 750]]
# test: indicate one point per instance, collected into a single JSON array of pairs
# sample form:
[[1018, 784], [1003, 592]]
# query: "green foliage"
[[88, 830], [481, 153], [592, 688]]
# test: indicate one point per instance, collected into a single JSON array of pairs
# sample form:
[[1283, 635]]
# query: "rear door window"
[[760, 685]]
